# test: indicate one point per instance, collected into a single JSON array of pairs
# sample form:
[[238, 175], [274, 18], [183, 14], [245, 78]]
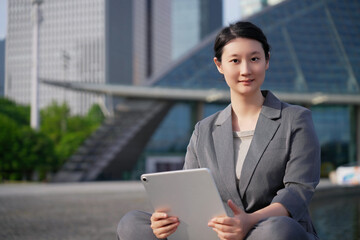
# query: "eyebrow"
[[252, 53], [255, 52]]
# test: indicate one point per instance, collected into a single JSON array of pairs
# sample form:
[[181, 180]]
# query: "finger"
[[158, 215], [163, 222], [220, 216], [167, 228], [211, 224], [166, 231], [224, 236], [223, 228], [173, 230], [222, 220], [236, 210], [162, 209]]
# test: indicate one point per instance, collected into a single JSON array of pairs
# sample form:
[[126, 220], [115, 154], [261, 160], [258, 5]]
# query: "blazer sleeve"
[[303, 167], [191, 160]]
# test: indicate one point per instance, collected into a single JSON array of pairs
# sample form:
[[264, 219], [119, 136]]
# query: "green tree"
[[68, 132], [37, 154], [20, 114], [25, 153], [69, 144], [53, 120], [8, 146], [95, 115]]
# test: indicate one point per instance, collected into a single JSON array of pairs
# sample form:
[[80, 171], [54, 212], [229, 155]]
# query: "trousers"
[[135, 225]]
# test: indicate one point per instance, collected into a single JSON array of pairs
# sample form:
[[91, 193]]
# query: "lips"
[[246, 80]]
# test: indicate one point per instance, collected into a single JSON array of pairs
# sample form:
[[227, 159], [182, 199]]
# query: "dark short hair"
[[242, 30]]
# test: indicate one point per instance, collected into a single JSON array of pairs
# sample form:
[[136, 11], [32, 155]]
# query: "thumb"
[[236, 210]]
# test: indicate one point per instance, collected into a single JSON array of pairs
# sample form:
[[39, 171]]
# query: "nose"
[[245, 68]]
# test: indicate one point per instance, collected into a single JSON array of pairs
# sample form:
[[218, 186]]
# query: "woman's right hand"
[[163, 225]]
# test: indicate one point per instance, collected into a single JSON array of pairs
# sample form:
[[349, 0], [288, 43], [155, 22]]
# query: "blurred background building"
[[2, 67], [249, 7], [71, 48], [94, 41], [159, 44], [192, 20], [314, 62], [100, 41]]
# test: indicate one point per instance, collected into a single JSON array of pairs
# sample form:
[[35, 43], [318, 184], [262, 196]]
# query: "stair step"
[[106, 143]]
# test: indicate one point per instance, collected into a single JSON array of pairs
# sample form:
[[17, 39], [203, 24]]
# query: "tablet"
[[191, 195]]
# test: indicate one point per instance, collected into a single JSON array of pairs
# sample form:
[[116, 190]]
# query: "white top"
[[242, 142]]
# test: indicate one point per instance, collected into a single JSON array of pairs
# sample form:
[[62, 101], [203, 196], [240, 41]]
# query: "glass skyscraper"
[[315, 51], [192, 21]]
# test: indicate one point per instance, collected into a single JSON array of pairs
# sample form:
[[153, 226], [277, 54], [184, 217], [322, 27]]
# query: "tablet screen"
[[191, 195]]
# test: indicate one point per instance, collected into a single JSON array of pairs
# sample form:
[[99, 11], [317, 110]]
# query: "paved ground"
[[67, 211], [87, 210]]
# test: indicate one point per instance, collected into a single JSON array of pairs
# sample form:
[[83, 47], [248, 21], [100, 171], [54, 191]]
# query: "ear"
[[267, 63], [218, 65]]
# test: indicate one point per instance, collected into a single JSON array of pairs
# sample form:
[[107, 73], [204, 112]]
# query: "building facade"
[[100, 41], [92, 41], [250, 7], [71, 48], [192, 21], [315, 51], [2, 67]]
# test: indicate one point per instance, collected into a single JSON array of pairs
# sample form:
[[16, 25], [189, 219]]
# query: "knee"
[[125, 221], [129, 222], [282, 228]]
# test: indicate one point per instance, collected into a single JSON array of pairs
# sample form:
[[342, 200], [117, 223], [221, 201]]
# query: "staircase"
[[116, 145]]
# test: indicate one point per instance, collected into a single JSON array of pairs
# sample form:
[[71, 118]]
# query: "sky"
[[3, 18], [230, 14]]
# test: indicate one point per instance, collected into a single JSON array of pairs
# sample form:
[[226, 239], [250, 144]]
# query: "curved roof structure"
[[315, 58], [315, 48]]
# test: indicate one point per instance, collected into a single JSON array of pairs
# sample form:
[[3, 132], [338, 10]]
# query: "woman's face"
[[243, 65]]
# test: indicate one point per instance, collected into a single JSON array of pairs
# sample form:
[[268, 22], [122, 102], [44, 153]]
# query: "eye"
[[234, 61], [255, 59]]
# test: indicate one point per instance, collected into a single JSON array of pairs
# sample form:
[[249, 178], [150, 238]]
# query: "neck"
[[247, 105], [246, 110]]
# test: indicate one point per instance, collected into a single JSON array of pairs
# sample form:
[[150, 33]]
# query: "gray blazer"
[[282, 164]]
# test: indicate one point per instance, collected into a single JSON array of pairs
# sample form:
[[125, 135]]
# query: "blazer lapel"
[[224, 149], [264, 131]]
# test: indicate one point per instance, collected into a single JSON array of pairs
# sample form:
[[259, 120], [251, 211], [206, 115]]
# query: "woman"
[[263, 153]]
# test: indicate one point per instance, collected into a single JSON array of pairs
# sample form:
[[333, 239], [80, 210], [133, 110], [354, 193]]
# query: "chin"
[[248, 91]]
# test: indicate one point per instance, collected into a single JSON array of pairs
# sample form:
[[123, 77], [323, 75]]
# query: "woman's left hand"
[[232, 228]]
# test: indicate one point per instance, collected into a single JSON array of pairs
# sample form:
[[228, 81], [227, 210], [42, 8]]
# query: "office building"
[[92, 41], [250, 7], [314, 62], [2, 67], [192, 21], [153, 52]]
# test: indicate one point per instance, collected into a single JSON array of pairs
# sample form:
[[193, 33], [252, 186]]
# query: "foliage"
[[95, 115], [35, 153], [8, 141], [68, 145], [53, 120], [20, 114], [68, 132], [25, 153]]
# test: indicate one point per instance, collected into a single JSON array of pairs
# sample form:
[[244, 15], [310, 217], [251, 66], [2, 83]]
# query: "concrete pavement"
[[92, 210], [67, 211]]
